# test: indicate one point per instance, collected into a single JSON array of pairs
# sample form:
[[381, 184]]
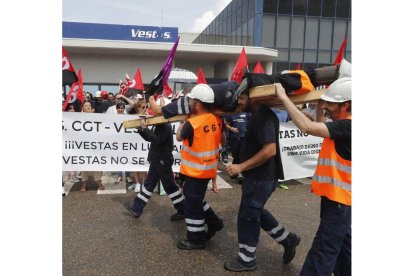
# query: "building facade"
[[305, 32], [106, 52]]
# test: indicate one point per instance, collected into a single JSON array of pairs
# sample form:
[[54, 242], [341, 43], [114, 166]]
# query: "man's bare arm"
[[301, 120]]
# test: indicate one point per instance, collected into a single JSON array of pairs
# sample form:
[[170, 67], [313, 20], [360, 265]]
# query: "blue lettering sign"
[[119, 32]]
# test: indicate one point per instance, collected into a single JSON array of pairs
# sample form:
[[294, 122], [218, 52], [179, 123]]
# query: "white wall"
[[111, 68]]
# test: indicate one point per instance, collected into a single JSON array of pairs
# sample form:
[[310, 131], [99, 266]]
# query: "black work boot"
[[187, 245], [213, 228], [130, 209], [235, 266], [177, 216], [290, 244]]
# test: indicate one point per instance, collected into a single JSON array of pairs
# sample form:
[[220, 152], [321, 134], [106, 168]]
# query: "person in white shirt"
[[119, 98]]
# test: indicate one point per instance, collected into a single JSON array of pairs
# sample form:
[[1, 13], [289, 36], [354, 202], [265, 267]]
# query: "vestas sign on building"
[[119, 32]]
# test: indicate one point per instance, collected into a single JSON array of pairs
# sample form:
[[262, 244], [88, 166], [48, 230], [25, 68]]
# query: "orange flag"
[[258, 68], [241, 64], [200, 76]]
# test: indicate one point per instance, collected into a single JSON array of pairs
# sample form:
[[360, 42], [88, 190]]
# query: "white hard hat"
[[339, 91], [345, 69], [98, 94], [202, 92]]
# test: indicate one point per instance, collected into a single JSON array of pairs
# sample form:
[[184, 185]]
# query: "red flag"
[[258, 68], [80, 95], [238, 72], [134, 86], [75, 92], [68, 72], [340, 54], [298, 66], [138, 80], [128, 81], [167, 91], [123, 88], [200, 76], [69, 98]]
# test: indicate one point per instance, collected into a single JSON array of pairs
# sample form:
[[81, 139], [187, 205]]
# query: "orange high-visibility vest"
[[332, 177], [201, 159]]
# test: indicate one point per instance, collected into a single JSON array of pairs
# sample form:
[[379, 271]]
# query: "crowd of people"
[[254, 144]]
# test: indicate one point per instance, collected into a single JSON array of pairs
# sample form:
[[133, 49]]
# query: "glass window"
[[92, 88], [320, 65], [299, 7], [244, 33], [250, 26], [325, 34], [348, 56], [110, 88], [233, 38], [298, 30], [268, 35], [285, 7], [310, 56], [270, 6], [342, 8], [238, 36], [309, 65], [349, 37], [314, 7], [324, 57], [339, 33], [244, 11], [283, 54], [328, 8], [233, 22], [280, 66], [296, 55], [251, 9], [282, 31], [239, 18], [311, 38]]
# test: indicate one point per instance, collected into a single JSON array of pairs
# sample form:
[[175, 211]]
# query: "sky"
[[189, 15]]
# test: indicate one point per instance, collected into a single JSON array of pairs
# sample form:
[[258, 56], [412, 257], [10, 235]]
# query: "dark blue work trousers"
[[331, 248], [159, 170], [196, 210], [252, 216], [235, 144]]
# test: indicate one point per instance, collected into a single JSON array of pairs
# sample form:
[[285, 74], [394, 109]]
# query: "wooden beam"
[[265, 94], [152, 121]]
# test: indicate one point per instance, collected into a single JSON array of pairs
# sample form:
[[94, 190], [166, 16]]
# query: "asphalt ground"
[[100, 238]]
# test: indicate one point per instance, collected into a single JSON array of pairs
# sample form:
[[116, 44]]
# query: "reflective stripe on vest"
[[198, 166], [333, 177], [201, 159], [201, 154]]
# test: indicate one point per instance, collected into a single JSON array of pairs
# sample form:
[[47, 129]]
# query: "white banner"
[[99, 142], [299, 151]]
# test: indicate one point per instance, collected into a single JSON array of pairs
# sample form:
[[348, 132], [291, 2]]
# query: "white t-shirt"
[[112, 110]]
